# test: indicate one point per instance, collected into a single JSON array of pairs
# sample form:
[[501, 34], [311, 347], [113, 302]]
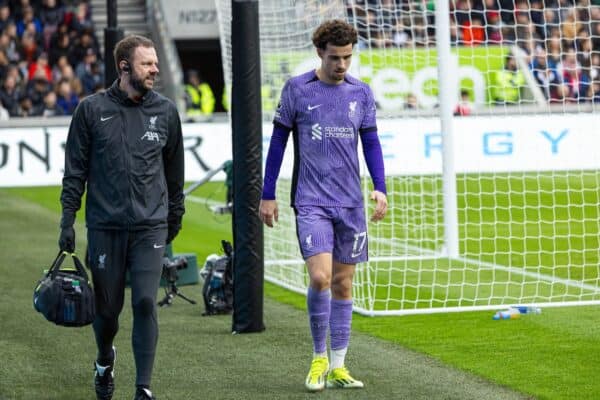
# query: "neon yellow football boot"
[[315, 380], [340, 378]]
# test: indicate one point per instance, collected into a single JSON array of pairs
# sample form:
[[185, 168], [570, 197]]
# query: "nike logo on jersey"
[[102, 119], [310, 108], [158, 246]]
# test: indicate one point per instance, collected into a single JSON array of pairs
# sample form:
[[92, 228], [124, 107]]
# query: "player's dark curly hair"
[[335, 32]]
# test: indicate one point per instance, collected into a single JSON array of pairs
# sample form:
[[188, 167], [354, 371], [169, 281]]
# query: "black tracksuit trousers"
[[111, 254]]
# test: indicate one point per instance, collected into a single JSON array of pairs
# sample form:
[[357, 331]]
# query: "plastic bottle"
[[511, 313], [528, 309]]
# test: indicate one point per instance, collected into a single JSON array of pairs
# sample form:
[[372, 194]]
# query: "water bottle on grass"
[[511, 313], [528, 309]]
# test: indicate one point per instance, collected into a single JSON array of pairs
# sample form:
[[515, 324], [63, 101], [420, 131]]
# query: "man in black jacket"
[[126, 145]]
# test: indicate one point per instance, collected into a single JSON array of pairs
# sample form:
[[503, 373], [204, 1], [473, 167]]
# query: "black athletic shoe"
[[104, 379], [143, 394]]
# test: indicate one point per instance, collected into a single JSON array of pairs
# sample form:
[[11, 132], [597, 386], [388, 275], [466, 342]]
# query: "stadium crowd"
[[49, 57], [560, 38]]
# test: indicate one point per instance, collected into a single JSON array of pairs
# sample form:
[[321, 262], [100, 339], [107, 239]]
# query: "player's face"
[[335, 61], [144, 69]]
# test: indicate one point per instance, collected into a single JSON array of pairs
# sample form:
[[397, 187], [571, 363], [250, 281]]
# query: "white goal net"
[[494, 191]]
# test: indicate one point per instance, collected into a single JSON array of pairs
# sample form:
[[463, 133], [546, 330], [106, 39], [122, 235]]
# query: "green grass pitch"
[[439, 356], [523, 238]]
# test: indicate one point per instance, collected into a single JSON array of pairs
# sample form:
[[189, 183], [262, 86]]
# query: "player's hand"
[[66, 241], [172, 231], [380, 207], [268, 212]]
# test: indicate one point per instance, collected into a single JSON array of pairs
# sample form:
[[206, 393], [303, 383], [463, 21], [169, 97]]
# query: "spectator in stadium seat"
[[10, 44], [37, 88], [4, 63], [569, 27], [51, 15], [84, 72], [584, 48], [50, 108], [40, 66], [57, 69], [464, 106], [550, 21], [60, 48], [93, 78], [5, 16], [328, 111], [67, 99], [594, 92], [61, 29], [473, 32], [507, 83], [493, 28], [18, 7], [554, 47], [28, 17], [546, 76], [411, 102], [456, 38], [15, 71], [570, 71], [10, 95], [199, 99], [80, 48], [401, 34], [27, 109], [125, 148], [82, 20], [68, 74], [29, 50]]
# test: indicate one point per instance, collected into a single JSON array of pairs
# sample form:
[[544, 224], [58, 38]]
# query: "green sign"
[[395, 73]]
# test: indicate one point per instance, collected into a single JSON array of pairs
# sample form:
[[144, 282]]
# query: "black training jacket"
[[131, 157]]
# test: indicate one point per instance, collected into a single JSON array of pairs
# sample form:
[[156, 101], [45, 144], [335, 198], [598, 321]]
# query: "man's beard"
[[138, 84]]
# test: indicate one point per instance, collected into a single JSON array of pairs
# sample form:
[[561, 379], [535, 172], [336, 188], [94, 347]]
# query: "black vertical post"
[[246, 116], [112, 35]]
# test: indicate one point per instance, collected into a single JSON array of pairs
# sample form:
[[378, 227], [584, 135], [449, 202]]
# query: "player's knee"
[[320, 281], [144, 307], [341, 287]]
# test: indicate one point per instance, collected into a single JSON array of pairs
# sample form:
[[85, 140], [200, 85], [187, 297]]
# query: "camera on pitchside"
[[170, 268], [170, 275]]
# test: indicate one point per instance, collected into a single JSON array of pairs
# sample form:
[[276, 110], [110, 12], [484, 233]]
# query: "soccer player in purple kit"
[[327, 110]]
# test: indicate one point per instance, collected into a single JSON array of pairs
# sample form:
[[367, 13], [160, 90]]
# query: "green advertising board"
[[394, 73]]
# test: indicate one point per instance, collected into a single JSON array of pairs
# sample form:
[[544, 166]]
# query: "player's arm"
[[268, 210], [374, 159], [75, 175], [173, 157]]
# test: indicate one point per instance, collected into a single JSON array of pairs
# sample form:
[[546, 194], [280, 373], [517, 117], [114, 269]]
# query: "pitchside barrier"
[[35, 156]]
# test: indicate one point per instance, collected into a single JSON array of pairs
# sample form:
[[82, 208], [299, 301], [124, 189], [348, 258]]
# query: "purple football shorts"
[[340, 231]]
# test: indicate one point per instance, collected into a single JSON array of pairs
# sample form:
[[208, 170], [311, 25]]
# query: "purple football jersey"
[[326, 121]]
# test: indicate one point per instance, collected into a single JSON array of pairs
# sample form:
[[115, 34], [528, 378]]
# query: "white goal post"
[[487, 118]]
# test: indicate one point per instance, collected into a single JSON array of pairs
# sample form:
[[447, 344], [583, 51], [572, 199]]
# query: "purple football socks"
[[340, 322], [318, 304]]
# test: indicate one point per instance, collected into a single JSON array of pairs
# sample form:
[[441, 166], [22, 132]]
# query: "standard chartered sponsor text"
[[339, 132]]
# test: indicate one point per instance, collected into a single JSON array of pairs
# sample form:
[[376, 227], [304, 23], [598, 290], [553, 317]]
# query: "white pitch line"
[[203, 200]]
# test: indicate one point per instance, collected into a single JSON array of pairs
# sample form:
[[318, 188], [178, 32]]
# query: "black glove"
[[66, 242], [173, 230]]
